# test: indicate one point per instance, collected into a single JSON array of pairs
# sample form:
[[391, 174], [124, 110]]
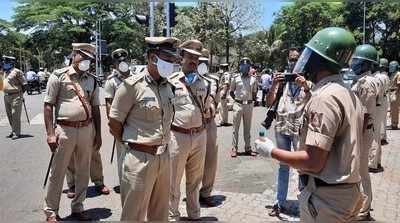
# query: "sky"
[[269, 7]]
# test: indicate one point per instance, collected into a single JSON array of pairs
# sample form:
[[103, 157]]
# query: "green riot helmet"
[[393, 67], [364, 59], [331, 47]]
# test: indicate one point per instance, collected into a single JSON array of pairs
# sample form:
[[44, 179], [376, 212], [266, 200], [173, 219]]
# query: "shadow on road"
[[22, 136], [202, 219], [95, 213]]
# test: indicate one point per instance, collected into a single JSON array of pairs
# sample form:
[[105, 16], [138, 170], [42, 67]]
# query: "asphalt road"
[[24, 161]]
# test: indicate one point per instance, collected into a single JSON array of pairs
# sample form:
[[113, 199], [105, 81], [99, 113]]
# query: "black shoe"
[[376, 170], [276, 211], [384, 142], [81, 216], [10, 135], [208, 202]]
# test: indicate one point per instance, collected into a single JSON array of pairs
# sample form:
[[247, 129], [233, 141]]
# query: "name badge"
[[147, 99]]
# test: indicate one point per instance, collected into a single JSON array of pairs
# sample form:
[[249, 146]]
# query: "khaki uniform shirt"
[[395, 83], [289, 115], [333, 121], [13, 81], [188, 114], [144, 106], [367, 90], [385, 80], [112, 83], [244, 87], [60, 93]]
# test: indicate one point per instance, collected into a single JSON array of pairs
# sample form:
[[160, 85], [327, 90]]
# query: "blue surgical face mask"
[[7, 66], [190, 78]]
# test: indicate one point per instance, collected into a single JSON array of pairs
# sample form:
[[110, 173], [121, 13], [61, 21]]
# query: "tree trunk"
[[227, 37]]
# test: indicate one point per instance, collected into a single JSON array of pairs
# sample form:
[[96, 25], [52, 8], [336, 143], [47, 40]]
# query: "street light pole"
[[364, 23], [151, 3], [167, 17]]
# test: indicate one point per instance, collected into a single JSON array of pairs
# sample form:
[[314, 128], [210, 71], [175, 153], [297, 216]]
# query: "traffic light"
[[172, 14], [142, 19]]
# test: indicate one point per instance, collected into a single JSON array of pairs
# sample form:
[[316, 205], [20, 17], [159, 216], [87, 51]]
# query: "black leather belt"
[[244, 102], [318, 182]]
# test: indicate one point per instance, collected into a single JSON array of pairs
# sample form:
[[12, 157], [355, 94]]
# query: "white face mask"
[[202, 69], [165, 69], [123, 67], [84, 65]]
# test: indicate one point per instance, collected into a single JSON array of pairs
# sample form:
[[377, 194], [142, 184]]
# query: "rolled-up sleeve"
[[52, 89], [125, 98], [96, 97], [109, 89]]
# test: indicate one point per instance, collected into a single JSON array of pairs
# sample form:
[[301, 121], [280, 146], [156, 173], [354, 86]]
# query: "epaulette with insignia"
[[61, 71], [132, 80], [175, 75]]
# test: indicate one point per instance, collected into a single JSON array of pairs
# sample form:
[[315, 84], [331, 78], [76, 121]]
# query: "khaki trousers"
[[13, 104], [240, 112], [121, 148], [224, 112], [145, 186], [385, 107], [330, 203], [364, 173], [96, 170], [375, 153], [211, 160], [394, 108], [187, 154], [77, 142]]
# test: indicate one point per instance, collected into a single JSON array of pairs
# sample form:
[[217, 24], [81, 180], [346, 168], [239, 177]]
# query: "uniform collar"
[[71, 71], [149, 79], [330, 78]]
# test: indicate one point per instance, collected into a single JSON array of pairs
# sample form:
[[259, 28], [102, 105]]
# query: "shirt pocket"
[[149, 109]]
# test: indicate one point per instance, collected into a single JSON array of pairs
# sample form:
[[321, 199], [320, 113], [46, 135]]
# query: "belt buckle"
[[245, 102]]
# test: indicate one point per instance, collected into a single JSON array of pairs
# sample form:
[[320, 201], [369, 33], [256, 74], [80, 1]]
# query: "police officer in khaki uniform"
[[141, 116], [119, 74], [383, 76], [367, 89], [395, 94], [243, 90], [224, 88], [331, 135], [14, 86], [210, 164], [189, 138], [74, 94]]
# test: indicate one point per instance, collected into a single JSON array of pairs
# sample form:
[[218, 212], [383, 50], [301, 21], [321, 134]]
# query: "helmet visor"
[[357, 65], [300, 67], [393, 68]]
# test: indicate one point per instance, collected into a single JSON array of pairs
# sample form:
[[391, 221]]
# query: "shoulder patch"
[[132, 80]]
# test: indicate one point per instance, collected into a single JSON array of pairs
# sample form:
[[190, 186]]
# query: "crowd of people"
[[163, 120]]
